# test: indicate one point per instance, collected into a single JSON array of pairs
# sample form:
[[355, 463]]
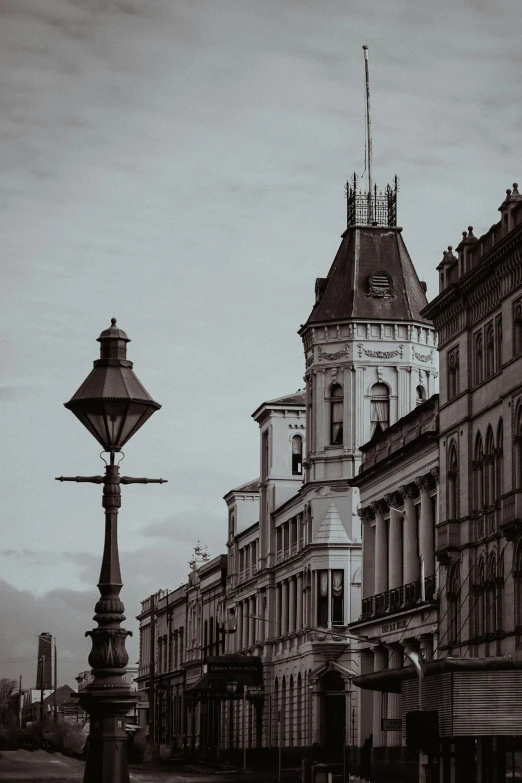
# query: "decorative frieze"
[[380, 354], [422, 357], [333, 356]]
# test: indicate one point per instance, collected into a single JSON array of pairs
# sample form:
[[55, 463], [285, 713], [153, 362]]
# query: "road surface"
[[40, 767]]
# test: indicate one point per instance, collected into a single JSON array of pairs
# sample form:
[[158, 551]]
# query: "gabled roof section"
[[331, 530], [347, 292]]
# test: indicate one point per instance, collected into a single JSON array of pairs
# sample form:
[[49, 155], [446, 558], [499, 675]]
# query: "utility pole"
[[20, 703], [55, 682], [152, 671], [42, 664]]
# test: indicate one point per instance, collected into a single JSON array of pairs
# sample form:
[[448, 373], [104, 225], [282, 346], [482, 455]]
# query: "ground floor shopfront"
[[478, 704], [237, 702]]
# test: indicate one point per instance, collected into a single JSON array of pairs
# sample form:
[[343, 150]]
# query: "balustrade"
[[399, 598]]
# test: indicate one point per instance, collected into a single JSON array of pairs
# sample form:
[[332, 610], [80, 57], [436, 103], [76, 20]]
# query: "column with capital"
[[321, 413], [291, 604], [380, 657], [381, 549], [426, 526], [239, 632], [278, 596], [299, 613], [411, 565], [252, 622], [284, 607], [394, 545]]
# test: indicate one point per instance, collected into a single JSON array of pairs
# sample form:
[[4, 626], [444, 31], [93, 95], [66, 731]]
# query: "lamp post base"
[[107, 744]]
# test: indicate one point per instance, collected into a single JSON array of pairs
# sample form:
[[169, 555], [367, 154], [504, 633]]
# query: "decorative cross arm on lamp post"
[[112, 404]]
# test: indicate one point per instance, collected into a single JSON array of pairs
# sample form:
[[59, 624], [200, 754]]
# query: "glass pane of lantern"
[[136, 416], [80, 414], [96, 418], [115, 414]]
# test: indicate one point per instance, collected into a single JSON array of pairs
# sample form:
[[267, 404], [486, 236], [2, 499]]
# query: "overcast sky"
[[179, 164]]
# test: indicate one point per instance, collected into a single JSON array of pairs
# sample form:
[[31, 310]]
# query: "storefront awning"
[[244, 670], [390, 680]]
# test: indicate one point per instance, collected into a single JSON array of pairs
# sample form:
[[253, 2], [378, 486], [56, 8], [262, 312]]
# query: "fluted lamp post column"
[[113, 405]]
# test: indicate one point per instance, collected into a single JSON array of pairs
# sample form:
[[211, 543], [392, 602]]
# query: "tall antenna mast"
[[368, 135]]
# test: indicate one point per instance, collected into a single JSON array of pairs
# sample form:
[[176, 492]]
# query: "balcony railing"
[[398, 598]]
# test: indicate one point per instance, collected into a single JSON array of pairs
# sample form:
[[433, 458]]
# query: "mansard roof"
[[299, 398], [295, 400], [250, 486], [348, 291]]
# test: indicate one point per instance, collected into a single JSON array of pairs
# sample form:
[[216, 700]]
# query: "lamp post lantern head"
[[111, 402]]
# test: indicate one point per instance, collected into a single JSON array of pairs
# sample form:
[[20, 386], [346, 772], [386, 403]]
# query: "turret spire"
[[368, 136]]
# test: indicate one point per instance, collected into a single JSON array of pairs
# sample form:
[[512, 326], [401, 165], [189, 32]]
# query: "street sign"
[[69, 709], [391, 724], [254, 690]]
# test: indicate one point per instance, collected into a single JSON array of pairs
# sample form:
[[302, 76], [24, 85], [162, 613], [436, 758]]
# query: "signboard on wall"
[[391, 724]]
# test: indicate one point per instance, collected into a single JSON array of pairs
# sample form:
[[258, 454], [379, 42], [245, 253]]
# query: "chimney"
[[43, 664]]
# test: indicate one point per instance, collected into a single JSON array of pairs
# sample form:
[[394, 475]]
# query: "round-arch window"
[[380, 284]]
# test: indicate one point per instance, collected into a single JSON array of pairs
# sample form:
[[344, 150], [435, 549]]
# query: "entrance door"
[[333, 708]]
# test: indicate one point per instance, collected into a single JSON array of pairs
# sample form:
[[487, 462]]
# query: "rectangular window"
[[264, 455], [279, 542], [337, 597], [322, 599]]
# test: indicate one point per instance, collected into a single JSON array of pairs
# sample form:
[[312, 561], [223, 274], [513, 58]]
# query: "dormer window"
[[380, 284], [297, 455]]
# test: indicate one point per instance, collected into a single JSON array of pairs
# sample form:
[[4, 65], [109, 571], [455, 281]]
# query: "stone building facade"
[[464, 638], [278, 607]]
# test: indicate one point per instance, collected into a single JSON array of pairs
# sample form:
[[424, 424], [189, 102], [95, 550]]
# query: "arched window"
[[499, 462], [490, 351], [517, 327], [453, 595], [452, 482], [479, 602], [479, 359], [453, 373], [276, 708], [478, 475], [336, 414], [291, 711], [492, 596], [283, 721], [421, 395], [518, 447], [300, 711], [498, 336], [517, 575], [380, 408], [297, 455], [489, 470]]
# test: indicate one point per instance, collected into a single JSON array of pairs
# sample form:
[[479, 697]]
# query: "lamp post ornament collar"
[[112, 404]]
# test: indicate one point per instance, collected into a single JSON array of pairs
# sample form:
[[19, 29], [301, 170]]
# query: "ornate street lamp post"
[[113, 405]]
